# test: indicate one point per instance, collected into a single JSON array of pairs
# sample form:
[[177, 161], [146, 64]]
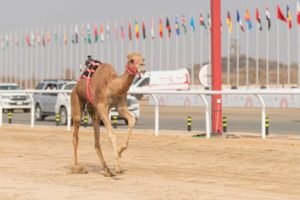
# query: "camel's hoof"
[[108, 174], [119, 171], [78, 169]]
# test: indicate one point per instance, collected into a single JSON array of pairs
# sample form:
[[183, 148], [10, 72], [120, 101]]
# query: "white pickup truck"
[[14, 101], [63, 101]]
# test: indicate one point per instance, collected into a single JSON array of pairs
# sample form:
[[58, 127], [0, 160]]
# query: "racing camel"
[[103, 91]]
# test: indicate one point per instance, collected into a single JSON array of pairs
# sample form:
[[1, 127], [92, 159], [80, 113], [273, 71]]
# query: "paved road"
[[282, 121]]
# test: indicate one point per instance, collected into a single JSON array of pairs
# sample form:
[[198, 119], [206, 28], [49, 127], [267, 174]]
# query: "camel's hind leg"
[[96, 122], [103, 113], [77, 109], [124, 112]]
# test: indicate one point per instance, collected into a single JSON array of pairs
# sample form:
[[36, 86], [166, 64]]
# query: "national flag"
[[32, 39], [192, 24], [280, 15], [137, 31], [183, 23], [122, 32], [43, 40], [289, 17], [152, 28], [129, 31], [239, 20], [101, 31], [161, 33], [89, 34], [229, 22], [202, 22], [48, 37], [248, 19], [168, 26], [76, 34], [144, 30], [95, 32], [177, 26], [268, 17], [28, 41], [107, 31], [258, 20], [38, 40], [65, 38], [83, 35], [208, 21], [298, 13]]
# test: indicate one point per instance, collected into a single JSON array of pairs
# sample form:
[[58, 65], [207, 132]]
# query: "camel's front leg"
[[124, 112], [96, 122], [103, 113]]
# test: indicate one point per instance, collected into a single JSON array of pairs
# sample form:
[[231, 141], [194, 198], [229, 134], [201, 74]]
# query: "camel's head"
[[135, 63]]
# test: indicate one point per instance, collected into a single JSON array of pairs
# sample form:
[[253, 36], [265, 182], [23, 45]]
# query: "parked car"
[[45, 103], [62, 105], [14, 101]]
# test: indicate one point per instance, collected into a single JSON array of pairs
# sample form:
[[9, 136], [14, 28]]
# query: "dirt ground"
[[35, 164]]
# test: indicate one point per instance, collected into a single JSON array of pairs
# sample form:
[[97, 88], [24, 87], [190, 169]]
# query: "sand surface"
[[35, 163]]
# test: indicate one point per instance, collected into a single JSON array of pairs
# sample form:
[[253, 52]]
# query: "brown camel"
[[107, 90]]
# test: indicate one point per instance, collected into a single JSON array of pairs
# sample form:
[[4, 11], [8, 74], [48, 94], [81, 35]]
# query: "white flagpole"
[[201, 47], [298, 56], [64, 54], [278, 46], [115, 45], [168, 52], [25, 63], [247, 58], [54, 56], [228, 58], [192, 56], [237, 57], [184, 53], [176, 50], [257, 53], [71, 54], [36, 59], [288, 55], [31, 62], [267, 60], [11, 51], [122, 46], [42, 55], [160, 53]]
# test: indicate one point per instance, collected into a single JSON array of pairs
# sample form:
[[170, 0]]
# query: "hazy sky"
[[17, 15]]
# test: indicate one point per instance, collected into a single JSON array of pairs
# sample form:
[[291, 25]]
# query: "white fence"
[[203, 94]]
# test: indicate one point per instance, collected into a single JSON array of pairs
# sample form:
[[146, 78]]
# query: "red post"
[[216, 100]]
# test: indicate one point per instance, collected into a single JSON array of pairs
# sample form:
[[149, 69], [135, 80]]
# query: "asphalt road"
[[282, 121]]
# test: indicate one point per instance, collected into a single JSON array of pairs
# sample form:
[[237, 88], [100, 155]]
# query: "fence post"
[[263, 116], [207, 116], [189, 123], [156, 114]]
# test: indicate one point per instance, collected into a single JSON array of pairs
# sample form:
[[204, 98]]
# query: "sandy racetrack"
[[34, 164]]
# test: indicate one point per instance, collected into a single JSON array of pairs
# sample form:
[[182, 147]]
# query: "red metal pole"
[[216, 100]]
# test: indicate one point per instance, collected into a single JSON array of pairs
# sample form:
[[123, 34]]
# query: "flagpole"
[[192, 54], [122, 44], [237, 58], [36, 59], [184, 60], [257, 49], [10, 58], [25, 63], [53, 52], [247, 58], [228, 58], [201, 47], [267, 60], [278, 46], [176, 50], [71, 56], [298, 56], [288, 55]]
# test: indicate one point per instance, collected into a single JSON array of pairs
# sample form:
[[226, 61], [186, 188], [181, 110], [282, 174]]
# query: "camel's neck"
[[126, 80]]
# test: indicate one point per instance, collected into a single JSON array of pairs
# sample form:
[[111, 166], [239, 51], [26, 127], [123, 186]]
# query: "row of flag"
[[95, 34]]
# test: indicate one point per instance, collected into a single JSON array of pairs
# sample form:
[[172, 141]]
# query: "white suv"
[[63, 100], [14, 101]]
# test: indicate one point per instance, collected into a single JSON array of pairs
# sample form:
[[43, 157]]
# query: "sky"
[[18, 15]]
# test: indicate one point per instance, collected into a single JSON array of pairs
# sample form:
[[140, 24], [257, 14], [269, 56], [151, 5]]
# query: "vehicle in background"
[[63, 108], [45, 103], [14, 101], [162, 80]]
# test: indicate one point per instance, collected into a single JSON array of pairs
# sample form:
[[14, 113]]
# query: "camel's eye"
[[131, 61]]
